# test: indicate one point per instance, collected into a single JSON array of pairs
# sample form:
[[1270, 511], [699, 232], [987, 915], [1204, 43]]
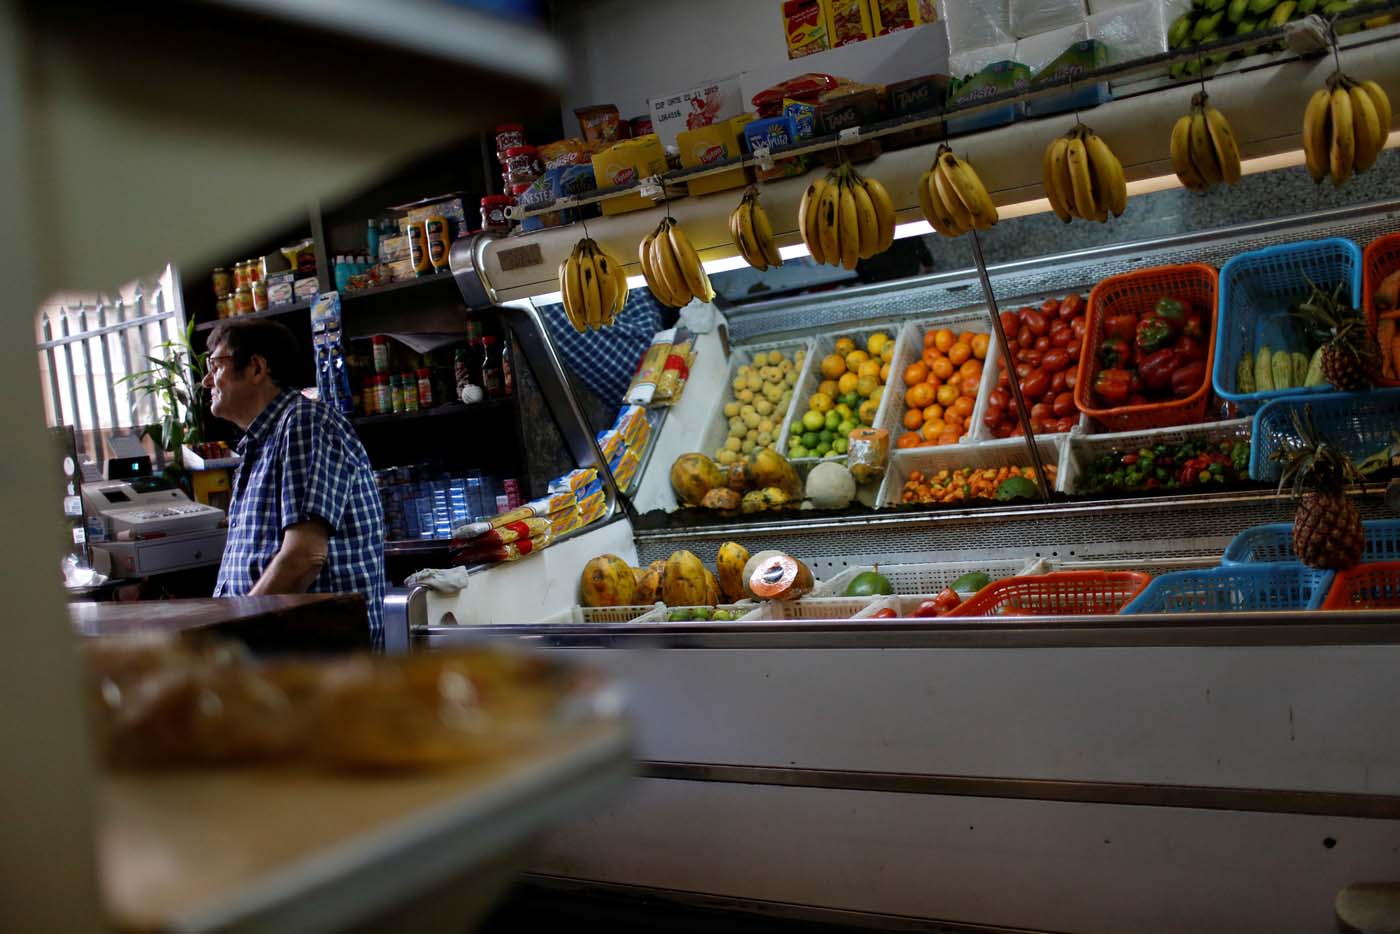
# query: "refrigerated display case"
[[1203, 771]]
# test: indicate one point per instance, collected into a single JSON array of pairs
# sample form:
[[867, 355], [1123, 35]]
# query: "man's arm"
[[296, 564]]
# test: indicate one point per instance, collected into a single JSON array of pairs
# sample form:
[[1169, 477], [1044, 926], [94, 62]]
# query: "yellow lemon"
[[869, 368], [876, 342], [885, 372], [844, 345], [887, 352], [830, 387], [833, 366], [847, 383], [855, 358], [820, 402], [868, 408], [867, 385]]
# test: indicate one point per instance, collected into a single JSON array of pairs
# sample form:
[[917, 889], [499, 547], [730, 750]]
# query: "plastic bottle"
[[409, 382], [396, 393], [425, 388]]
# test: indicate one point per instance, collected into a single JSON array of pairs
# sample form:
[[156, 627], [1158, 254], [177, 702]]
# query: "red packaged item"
[[807, 89], [641, 126], [509, 136], [804, 23]]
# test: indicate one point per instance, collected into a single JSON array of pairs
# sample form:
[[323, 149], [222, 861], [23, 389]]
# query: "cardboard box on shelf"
[[848, 21], [692, 108], [625, 163], [714, 144]]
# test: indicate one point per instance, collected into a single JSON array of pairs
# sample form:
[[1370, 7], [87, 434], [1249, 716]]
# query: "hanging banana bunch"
[[593, 285], [753, 234], [952, 196], [845, 218], [1204, 152], [1083, 178], [672, 268], [1345, 127]]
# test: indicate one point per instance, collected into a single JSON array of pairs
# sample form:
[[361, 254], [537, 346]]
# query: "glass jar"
[[223, 281], [425, 388], [386, 396], [259, 290], [491, 367], [522, 165], [223, 305], [255, 270], [493, 212], [509, 136], [409, 382], [381, 353], [243, 301], [396, 394]]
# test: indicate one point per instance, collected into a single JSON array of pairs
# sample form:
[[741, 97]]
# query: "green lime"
[[810, 440], [868, 584], [813, 419], [839, 445]]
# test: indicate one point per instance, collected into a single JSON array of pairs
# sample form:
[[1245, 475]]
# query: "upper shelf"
[[1263, 101]]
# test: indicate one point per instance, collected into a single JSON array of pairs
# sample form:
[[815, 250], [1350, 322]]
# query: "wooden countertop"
[[283, 623]]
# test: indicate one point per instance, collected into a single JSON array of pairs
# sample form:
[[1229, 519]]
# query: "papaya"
[[771, 469], [607, 580], [729, 562], [683, 580], [692, 476]]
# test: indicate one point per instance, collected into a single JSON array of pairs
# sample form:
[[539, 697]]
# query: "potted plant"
[[176, 379]]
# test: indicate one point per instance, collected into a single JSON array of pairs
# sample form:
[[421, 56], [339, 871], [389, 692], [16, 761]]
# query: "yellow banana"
[[828, 219], [607, 285], [692, 269], [1108, 171], [1367, 126], [1341, 156], [933, 210], [970, 189], [1202, 151], [1059, 176], [1058, 203], [620, 289], [948, 197], [737, 239], [748, 237], [1080, 180], [668, 263], [588, 285], [1222, 138], [763, 232], [1317, 131], [867, 223], [569, 289], [1181, 156], [884, 212], [848, 229], [807, 219], [1382, 105], [648, 270]]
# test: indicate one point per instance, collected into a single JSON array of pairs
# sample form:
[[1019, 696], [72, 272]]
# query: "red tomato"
[[1025, 337], [1074, 350], [1010, 324], [1023, 370], [885, 613], [993, 416], [1064, 405], [1057, 382], [1042, 343], [1035, 321], [1072, 306], [1078, 326], [1035, 383], [1065, 424], [1028, 356], [1071, 379], [926, 610], [1061, 335], [1055, 360], [999, 397], [1040, 411], [1050, 307]]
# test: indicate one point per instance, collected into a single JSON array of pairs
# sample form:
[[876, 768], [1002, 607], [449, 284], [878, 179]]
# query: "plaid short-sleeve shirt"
[[302, 460]]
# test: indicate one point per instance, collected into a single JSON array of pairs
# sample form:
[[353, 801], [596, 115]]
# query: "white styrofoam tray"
[[1082, 449], [717, 428], [590, 615], [1007, 452], [926, 578]]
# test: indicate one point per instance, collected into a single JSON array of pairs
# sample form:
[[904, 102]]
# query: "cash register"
[[140, 524]]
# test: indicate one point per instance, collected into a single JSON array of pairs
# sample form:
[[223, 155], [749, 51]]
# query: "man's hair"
[[271, 340]]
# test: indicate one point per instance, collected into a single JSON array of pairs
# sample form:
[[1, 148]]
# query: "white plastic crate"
[[1004, 452], [926, 578], [808, 608], [661, 613], [591, 615], [909, 347], [717, 428], [1083, 449], [903, 605], [811, 378]]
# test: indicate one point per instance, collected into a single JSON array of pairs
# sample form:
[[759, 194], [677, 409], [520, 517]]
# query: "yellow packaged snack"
[[627, 163], [710, 144]]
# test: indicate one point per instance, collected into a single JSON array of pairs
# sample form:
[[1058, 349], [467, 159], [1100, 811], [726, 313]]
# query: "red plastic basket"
[[1062, 593], [1374, 586], [1135, 293], [1381, 258]]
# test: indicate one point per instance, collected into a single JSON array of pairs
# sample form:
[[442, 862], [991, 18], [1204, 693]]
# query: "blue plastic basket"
[[1240, 587], [1270, 544], [1359, 423], [1257, 288]]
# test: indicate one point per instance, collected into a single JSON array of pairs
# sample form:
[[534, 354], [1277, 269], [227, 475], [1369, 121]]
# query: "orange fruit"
[[959, 352], [970, 390], [929, 338], [913, 420], [943, 339], [931, 412], [970, 370], [847, 383], [956, 381], [942, 368], [909, 439], [951, 421], [966, 337], [919, 395], [946, 395], [980, 342], [868, 368], [884, 372], [962, 406], [930, 357], [933, 428], [915, 372], [949, 437], [830, 387]]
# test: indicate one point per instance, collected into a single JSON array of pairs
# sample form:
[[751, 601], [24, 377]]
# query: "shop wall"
[[626, 51]]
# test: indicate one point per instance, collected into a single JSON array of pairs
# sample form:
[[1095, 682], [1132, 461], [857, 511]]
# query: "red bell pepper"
[[1173, 311], [1122, 327], [1113, 385], [1194, 325], [1153, 333], [1186, 379], [1157, 367], [1190, 348], [1115, 352]]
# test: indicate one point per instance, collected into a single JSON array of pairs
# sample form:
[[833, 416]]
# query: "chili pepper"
[[1157, 368], [1171, 310], [1186, 379], [1193, 325], [1115, 352], [1120, 326], [1130, 459], [1152, 334], [1189, 347], [1113, 385]]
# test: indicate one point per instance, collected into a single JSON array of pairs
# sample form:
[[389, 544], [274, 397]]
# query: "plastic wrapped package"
[[1105, 6], [976, 24], [1063, 53], [965, 64], [1035, 17], [1001, 75], [1040, 50], [1136, 30]]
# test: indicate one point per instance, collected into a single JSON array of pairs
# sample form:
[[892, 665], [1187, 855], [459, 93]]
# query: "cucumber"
[[1314, 376], [1263, 375], [1282, 366], [1300, 368], [1244, 376]]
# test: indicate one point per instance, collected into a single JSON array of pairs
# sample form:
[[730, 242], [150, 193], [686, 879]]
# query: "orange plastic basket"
[[1381, 258], [1136, 293], [1374, 586], [1062, 593]]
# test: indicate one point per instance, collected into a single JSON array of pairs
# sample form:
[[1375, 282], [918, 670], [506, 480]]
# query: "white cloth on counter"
[[443, 580], [699, 317]]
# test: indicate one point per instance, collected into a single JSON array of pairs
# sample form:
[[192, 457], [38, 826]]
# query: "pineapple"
[[1327, 530], [1351, 358]]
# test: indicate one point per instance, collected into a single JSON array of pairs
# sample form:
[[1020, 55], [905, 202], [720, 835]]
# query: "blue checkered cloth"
[[301, 459], [605, 360]]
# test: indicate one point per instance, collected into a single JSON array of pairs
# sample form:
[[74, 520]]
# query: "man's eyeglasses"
[[211, 361]]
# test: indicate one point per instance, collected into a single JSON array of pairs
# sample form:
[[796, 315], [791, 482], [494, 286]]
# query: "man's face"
[[234, 395]]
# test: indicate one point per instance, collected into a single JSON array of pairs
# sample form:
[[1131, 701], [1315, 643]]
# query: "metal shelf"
[[269, 313], [450, 408], [348, 297]]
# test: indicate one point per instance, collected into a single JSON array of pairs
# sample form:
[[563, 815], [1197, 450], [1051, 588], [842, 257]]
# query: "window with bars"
[[89, 342]]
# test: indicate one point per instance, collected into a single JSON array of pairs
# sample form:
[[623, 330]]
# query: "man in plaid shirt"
[[305, 514]]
